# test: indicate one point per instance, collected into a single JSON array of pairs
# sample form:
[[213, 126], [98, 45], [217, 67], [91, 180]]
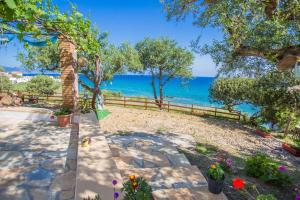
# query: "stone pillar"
[[69, 77]]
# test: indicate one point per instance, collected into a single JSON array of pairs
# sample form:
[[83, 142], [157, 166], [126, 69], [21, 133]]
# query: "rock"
[[7, 100], [67, 194], [39, 194]]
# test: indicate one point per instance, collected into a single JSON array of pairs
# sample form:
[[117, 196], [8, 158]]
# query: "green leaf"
[[11, 4]]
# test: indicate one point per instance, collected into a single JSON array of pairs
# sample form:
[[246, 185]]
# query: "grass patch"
[[101, 114], [205, 149]]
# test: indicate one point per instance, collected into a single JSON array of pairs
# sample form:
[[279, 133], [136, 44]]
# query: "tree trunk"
[[154, 89], [161, 98], [286, 131], [96, 92], [97, 80]]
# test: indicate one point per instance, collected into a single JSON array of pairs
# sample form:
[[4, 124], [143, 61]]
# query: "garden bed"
[[292, 150], [263, 133]]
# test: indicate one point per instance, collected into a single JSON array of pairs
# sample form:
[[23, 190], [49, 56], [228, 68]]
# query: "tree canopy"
[[269, 92], [257, 34], [164, 59], [42, 85]]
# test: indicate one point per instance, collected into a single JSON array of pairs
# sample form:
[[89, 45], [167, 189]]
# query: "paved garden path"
[[155, 157], [37, 158]]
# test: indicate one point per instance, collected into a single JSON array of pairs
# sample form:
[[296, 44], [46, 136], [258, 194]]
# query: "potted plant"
[[216, 178], [263, 132], [63, 116]]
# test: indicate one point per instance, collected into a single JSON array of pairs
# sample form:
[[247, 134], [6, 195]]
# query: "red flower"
[[238, 184]]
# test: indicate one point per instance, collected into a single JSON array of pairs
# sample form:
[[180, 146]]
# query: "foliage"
[[42, 85], [40, 58], [270, 93], [263, 167], [266, 197], [5, 83], [230, 91], [205, 149], [22, 87], [164, 59], [215, 172], [137, 188], [109, 93], [62, 111], [257, 34], [2, 69]]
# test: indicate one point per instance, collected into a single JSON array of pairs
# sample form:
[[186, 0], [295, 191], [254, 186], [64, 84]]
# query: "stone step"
[[201, 193], [169, 177], [154, 160]]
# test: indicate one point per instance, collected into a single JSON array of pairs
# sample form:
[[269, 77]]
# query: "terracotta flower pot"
[[292, 150], [63, 120], [263, 133], [214, 186]]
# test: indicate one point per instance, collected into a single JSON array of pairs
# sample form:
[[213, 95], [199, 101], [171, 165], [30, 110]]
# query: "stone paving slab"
[[169, 177], [33, 155], [187, 194]]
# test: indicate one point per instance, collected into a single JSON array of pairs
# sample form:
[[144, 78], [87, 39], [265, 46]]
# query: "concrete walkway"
[[95, 168]]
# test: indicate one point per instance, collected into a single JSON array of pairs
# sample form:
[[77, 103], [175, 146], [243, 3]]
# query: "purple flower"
[[229, 162], [281, 168], [297, 197], [114, 182], [116, 195]]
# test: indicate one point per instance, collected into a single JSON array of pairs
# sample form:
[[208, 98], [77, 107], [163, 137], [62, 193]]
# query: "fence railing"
[[151, 104]]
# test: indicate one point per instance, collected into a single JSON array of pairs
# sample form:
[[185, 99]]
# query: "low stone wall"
[[95, 167]]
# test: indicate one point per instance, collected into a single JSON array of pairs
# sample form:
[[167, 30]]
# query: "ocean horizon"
[[194, 91]]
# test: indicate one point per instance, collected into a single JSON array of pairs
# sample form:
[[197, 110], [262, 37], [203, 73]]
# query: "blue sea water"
[[195, 91]]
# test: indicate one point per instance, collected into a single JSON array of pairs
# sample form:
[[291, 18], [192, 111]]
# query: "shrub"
[[62, 111], [5, 83], [215, 172], [265, 197], [137, 188], [42, 85], [263, 167]]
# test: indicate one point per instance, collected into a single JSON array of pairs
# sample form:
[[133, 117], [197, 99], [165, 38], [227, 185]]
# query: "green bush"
[[263, 167], [5, 83], [266, 197], [22, 87], [42, 85]]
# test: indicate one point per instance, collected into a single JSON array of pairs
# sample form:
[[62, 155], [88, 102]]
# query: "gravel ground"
[[231, 137]]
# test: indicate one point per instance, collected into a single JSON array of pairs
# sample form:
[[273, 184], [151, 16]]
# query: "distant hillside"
[[12, 69]]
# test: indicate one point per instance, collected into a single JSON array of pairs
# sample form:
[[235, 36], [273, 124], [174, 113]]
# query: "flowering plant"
[[263, 167], [215, 172], [239, 184], [137, 188], [226, 164]]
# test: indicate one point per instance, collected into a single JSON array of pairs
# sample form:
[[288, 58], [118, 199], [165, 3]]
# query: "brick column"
[[69, 78]]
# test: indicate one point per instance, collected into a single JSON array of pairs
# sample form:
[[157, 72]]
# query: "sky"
[[133, 20]]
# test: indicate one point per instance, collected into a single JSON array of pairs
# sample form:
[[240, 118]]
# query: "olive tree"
[[42, 85], [258, 35], [165, 60]]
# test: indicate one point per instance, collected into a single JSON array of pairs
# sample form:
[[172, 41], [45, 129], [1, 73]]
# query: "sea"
[[194, 91]]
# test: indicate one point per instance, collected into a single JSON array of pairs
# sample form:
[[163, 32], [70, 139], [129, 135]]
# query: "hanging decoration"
[[5, 39], [41, 41]]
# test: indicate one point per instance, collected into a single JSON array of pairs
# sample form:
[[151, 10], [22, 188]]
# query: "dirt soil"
[[230, 138]]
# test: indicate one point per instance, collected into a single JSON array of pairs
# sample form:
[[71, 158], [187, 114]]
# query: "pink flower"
[[281, 168]]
